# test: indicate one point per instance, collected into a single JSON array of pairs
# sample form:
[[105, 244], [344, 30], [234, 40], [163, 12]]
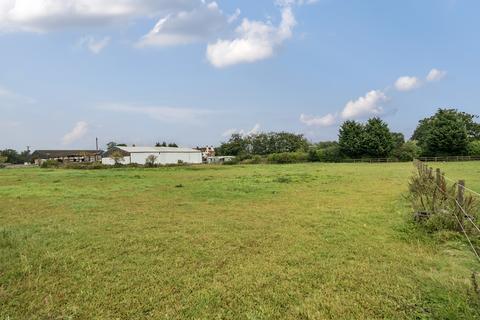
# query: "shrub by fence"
[[441, 206]]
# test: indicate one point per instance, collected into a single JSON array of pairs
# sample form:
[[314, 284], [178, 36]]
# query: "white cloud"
[[255, 41], [186, 27], [368, 105], [48, 15], [9, 95], [78, 132], [436, 75], [325, 121], [256, 129], [407, 83], [163, 114], [95, 46]]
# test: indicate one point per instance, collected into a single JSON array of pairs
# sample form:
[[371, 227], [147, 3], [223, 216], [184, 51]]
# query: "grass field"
[[307, 241]]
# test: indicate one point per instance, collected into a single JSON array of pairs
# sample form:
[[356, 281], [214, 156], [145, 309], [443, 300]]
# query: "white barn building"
[[162, 155]]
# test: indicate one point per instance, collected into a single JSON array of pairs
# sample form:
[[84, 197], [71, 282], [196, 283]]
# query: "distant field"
[[307, 241], [468, 171]]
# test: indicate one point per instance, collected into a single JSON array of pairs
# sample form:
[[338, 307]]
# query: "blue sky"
[[192, 71]]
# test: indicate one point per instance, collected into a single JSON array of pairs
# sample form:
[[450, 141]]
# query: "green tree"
[[163, 144], [350, 139], [398, 139], [12, 156], [448, 132], [377, 138], [151, 160], [117, 157], [425, 127], [236, 146], [111, 145], [474, 148], [408, 151]]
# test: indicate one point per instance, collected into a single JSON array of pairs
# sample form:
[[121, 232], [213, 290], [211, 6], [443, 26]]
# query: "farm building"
[[40, 156], [161, 155], [220, 159], [207, 152]]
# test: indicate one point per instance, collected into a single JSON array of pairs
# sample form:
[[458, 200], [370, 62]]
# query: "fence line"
[[459, 201], [449, 159], [422, 159], [463, 187]]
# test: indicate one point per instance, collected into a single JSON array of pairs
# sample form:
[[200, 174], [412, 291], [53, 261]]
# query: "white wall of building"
[[111, 162], [162, 158]]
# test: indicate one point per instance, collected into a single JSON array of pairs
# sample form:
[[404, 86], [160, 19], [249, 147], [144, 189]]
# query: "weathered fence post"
[[461, 200], [438, 176]]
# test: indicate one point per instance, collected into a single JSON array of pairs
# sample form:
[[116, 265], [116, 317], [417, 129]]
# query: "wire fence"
[[462, 202], [421, 159], [449, 159]]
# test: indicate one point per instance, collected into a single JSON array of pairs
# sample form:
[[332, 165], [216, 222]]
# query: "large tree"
[[350, 139], [377, 138], [263, 144], [448, 132]]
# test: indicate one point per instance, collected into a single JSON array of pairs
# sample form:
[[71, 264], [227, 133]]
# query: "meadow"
[[303, 241]]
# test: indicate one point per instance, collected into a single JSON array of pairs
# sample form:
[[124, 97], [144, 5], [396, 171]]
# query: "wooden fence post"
[[438, 176], [461, 200]]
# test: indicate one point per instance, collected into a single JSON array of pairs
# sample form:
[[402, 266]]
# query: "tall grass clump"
[[436, 206]]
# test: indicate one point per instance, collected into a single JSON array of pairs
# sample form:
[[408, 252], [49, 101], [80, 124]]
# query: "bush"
[[151, 161], [474, 148], [407, 151], [84, 166], [234, 161], [330, 154], [253, 160], [288, 157], [50, 164]]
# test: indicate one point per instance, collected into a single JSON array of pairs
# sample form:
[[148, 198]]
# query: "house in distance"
[[89, 156], [161, 155]]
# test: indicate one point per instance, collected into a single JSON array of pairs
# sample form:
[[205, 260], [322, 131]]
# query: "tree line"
[[448, 132]]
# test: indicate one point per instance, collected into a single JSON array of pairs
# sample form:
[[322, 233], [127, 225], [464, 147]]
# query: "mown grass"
[[307, 241]]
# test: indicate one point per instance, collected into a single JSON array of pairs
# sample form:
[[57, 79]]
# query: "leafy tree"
[[151, 160], [24, 156], [111, 145], [263, 144], [350, 139], [11, 155], [163, 144], [448, 132], [425, 127], [287, 142], [236, 146], [398, 139], [117, 157], [408, 151], [377, 138], [474, 148], [3, 159], [173, 145]]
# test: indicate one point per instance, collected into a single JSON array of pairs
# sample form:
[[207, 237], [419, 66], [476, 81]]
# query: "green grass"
[[307, 241], [468, 171]]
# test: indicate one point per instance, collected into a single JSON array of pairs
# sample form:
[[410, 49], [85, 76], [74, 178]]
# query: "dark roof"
[[108, 153], [48, 154]]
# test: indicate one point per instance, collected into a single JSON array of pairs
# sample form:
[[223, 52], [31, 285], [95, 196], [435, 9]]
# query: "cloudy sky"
[[194, 71]]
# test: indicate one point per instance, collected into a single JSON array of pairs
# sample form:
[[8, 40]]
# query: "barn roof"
[[157, 150], [46, 154]]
